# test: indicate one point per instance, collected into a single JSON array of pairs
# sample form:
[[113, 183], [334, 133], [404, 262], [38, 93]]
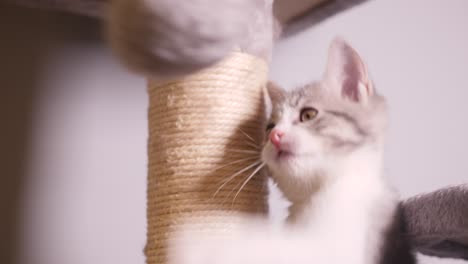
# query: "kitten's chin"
[[296, 185], [297, 176], [285, 161]]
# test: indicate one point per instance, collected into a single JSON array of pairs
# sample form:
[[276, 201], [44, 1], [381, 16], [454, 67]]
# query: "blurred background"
[[73, 144]]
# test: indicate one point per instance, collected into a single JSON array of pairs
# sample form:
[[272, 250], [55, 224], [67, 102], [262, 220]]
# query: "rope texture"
[[197, 140]]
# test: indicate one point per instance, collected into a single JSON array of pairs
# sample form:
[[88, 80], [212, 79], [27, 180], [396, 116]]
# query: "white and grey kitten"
[[325, 152], [324, 149]]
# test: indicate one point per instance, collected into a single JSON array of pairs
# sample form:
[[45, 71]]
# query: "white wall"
[[84, 188], [86, 193]]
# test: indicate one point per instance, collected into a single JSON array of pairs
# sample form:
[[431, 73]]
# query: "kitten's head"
[[313, 129]]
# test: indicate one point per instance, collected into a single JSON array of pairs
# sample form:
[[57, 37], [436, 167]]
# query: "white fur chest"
[[350, 213]]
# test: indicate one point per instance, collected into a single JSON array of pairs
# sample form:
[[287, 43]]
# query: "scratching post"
[[203, 129]]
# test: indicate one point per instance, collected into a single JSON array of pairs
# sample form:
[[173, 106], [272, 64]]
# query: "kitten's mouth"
[[282, 155]]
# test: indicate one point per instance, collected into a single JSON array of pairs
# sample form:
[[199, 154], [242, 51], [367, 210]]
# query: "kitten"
[[325, 152], [324, 149]]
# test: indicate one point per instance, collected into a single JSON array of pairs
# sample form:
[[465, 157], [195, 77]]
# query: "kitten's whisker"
[[235, 162], [238, 184], [252, 144], [243, 151], [248, 179], [242, 170], [234, 175], [247, 135]]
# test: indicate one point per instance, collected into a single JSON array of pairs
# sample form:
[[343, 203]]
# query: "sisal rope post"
[[197, 140]]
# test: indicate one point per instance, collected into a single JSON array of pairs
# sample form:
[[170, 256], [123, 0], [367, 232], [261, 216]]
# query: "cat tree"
[[204, 129]]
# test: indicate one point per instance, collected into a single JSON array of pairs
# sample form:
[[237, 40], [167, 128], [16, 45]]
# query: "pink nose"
[[275, 137]]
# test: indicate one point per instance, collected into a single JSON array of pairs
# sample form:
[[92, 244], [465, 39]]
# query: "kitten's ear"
[[272, 94], [346, 72]]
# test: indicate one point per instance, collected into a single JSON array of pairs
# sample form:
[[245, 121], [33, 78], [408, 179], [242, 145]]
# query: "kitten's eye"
[[270, 126], [308, 113]]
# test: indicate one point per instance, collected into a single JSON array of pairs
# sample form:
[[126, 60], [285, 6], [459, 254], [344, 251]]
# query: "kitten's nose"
[[275, 137]]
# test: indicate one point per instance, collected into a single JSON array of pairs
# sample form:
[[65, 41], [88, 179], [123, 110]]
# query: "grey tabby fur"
[[437, 222]]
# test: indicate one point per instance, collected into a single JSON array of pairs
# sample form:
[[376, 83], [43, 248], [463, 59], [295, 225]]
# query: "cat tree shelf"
[[286, 10], [300, 14]]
